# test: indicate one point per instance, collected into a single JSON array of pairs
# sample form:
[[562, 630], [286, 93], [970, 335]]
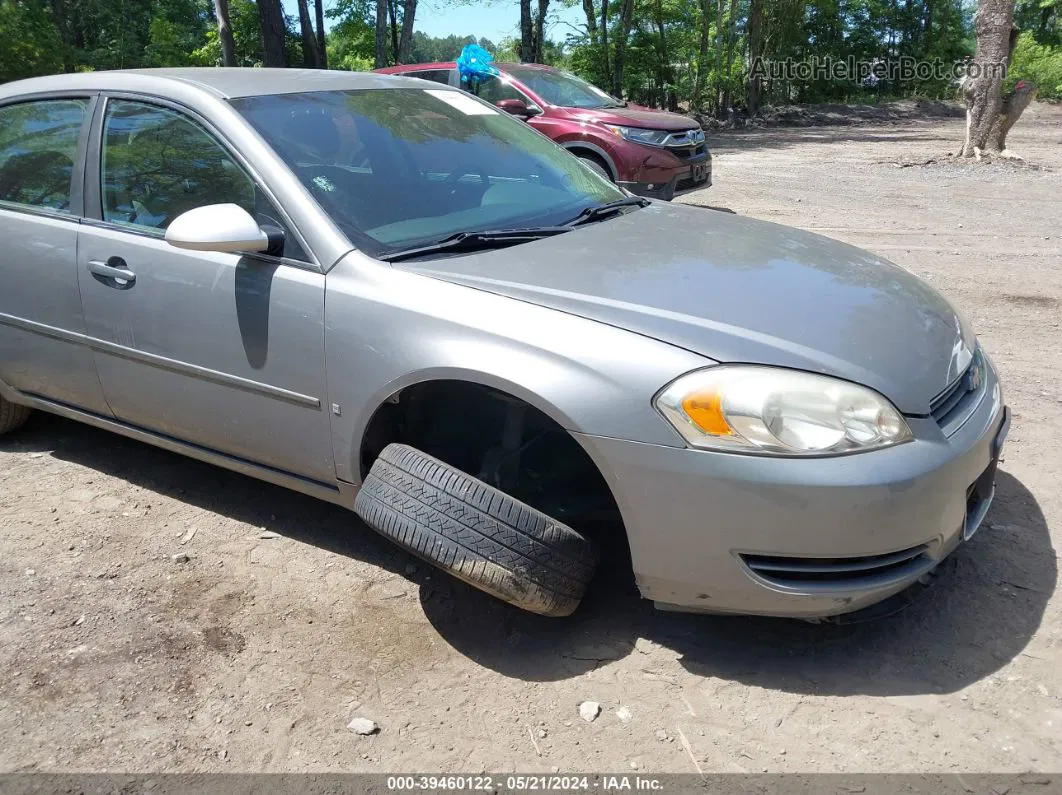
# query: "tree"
[[527, 32], [245, 28], [604, 39], [274, 28], [755, 84], [539, 31], [322, 50], [663, 61], [983, 86], [719, 111], [228, 43], [31, 43], [729, 57], [626, 20], [405, 41], [310, 57], [381, 33]]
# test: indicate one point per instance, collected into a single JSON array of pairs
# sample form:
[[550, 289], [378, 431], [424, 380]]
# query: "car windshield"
[[562, 88], [404, 167]]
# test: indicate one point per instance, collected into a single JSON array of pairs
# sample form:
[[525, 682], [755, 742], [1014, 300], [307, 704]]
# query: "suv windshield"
[[403, 167], [562, 88]]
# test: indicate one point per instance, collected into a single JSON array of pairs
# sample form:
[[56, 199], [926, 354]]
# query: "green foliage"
[[30, 43], [246, 32], [674, 52], [1042, 19], [351, 41], [1038, 64]]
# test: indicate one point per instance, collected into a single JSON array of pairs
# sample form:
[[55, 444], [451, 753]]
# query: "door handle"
[[113, 273]]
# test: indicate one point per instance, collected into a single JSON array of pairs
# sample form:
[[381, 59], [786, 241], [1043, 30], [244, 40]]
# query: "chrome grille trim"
[[952, 407]]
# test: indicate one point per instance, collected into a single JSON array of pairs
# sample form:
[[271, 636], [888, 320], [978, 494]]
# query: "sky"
[[494, 19]]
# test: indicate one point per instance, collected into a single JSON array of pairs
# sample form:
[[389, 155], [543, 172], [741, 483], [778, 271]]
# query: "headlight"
[[773, 411], [639, 135]]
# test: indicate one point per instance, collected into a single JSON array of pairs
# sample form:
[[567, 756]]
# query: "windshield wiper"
[[600, 211], [477, 241]]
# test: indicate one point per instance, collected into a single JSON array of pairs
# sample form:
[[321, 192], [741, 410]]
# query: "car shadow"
[[245, 499], [980, 613]]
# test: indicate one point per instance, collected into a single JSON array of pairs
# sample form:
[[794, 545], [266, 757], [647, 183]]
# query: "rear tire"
[[475, 532], [12, 416], [596, 164]]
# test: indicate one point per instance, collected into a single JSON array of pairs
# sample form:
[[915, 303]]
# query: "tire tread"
[[476, 532], [12, 415]]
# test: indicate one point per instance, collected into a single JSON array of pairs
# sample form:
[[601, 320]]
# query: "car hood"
[[735, 289], [632, 117]]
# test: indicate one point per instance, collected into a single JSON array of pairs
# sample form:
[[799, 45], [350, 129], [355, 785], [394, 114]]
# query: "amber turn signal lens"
[[706, 411]]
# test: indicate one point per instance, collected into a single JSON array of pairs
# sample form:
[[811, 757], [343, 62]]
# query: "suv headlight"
[[640, 135], [774, 411]]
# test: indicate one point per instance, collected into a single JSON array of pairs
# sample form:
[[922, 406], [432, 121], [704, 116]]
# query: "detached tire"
[[475, 532], [12, 416]]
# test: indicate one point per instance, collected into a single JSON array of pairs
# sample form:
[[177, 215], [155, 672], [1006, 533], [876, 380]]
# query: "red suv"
[[648, 152]]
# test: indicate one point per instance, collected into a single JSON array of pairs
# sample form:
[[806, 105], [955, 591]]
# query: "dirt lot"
[[256, 653]]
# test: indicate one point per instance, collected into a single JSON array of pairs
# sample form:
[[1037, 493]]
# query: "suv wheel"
[[596, 165]]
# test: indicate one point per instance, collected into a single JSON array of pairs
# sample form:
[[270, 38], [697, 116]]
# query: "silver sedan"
[[387, 294]]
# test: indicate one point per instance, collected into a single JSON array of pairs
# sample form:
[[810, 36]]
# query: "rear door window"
[[38, 146], [495, 89], [434, 75]]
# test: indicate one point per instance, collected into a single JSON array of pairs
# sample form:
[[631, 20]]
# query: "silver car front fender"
[[388, 329]]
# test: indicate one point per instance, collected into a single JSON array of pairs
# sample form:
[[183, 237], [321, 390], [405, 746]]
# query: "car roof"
[[224, 83]]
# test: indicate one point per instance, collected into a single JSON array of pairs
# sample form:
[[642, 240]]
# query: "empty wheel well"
[[503, 441]]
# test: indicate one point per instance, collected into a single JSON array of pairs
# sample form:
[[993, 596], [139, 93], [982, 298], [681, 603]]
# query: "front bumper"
[[689, 176], [718, 532]]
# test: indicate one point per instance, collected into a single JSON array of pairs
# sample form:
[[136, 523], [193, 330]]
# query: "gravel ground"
[[288, 618]]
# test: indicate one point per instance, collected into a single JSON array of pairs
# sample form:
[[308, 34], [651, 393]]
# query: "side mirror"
[[517, 107], [221, 227]]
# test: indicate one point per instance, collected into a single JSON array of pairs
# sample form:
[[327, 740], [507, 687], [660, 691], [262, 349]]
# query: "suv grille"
[[952, 407], [839, 573], [688, 153]]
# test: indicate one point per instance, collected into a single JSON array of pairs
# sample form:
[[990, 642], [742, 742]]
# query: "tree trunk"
[[591, 21], [228, 43], [1014, 104], [392, 10], [405, 42], [983, 89], [626, 21], [309, 41], [527, 32], [755, 27], [719, 113], [273, 29], [381, 33], [702, 56], [730, 25], [665, 61], [604, 39], [539, 33], [322, 49]]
